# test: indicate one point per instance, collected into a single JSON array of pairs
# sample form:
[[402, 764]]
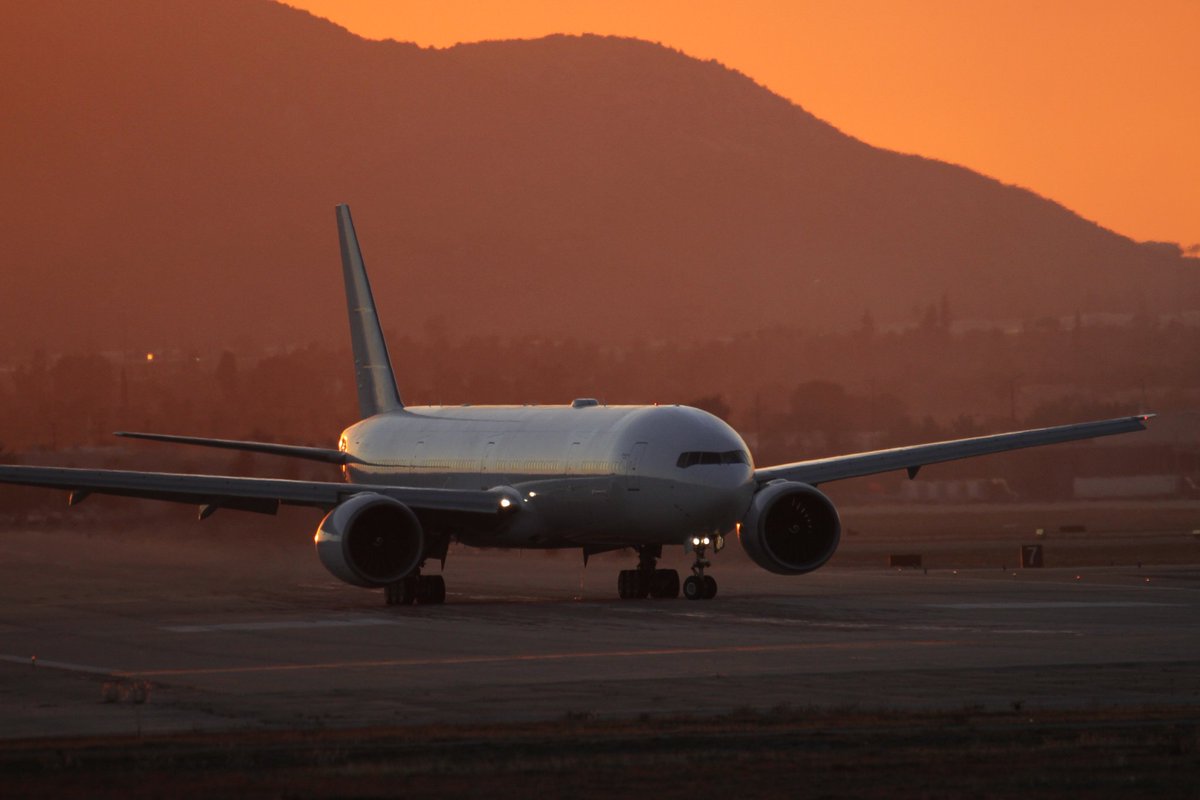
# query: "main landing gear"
[[647, 580], [426, 590], [699, 586]]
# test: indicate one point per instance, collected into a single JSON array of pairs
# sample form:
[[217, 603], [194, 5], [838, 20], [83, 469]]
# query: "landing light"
[[533, 494], [505, 502]]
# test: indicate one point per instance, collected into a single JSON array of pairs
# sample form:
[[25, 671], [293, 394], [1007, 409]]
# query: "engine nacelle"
[[791, 528], [370, 540]]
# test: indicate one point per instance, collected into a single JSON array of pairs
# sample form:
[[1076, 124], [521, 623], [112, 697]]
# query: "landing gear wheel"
[[645, 581], [693, 588], [428, 590], [664, 584], [431, 590], [400, 593], [710, 587], [632, 584]]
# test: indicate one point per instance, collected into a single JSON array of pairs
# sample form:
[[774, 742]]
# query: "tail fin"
[[372, 366]]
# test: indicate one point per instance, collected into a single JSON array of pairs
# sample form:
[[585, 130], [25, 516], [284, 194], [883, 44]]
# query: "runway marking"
[[28, 661], [282, 625], [1052, 604], [522, 658], [841, 625]]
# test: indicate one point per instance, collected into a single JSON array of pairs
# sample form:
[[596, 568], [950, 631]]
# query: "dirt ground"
[[1117, 753]]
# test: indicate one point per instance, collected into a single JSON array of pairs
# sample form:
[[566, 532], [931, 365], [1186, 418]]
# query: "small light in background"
[[149, 357]]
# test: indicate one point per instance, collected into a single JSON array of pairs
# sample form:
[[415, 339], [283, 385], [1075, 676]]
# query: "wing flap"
[[245, 494], [912, 458]]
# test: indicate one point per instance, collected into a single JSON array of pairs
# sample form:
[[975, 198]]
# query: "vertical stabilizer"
[[372, 366]]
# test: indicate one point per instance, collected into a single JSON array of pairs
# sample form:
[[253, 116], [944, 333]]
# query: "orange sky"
[[1093, 103]]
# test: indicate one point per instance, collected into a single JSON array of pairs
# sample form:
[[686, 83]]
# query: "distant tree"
[[823, 405], [1075, 408], [30, 380], [84, 391], [964, 425], [886, 412], [929, 319], [945, 317], [1044, 325], [227, 375], [866, 325]]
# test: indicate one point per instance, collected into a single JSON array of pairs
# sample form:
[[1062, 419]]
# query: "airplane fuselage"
[[617, 475]]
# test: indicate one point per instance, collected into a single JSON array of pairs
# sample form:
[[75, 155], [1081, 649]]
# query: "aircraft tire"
[[693, 588], [400, 593], [664, 584], [710, 587], [625, 584], [432, 590]]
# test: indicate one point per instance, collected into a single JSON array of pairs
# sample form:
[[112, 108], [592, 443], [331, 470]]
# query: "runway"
[[260, 637]]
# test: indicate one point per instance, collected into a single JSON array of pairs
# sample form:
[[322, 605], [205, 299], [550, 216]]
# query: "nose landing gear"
[[699, 586]]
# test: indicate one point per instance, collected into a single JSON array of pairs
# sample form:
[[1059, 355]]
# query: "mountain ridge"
[[173, 168]]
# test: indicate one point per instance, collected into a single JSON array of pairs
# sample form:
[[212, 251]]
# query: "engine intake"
[[791, 528], [370, 540]]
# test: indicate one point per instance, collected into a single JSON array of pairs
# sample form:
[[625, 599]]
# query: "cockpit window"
[[694, 458]]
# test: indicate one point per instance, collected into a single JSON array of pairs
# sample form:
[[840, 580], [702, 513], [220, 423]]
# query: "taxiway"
[[267, 640]]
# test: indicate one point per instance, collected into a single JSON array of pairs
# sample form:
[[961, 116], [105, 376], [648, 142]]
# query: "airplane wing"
[[294, 451], [262, 495], [913, 458]]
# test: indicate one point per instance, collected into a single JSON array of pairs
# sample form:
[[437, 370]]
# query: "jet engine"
[[791, 528], [370, 540]]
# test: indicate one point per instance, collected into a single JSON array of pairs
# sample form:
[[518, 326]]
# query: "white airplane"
[[586, 476]]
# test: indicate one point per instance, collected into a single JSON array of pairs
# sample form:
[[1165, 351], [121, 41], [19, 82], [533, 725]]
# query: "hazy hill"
[[170, 168]]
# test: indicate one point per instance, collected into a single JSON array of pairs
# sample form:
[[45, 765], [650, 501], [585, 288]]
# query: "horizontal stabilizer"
[[288, 450]]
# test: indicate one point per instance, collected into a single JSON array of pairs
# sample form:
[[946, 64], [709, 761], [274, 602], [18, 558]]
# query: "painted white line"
[[29, 661], [282, 625], [1052, 604], [528, 657]]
